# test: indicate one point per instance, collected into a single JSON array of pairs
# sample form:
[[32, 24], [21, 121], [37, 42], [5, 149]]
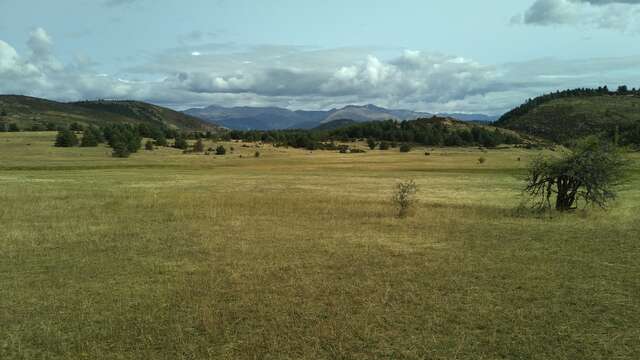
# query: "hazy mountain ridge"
[[270, 118]]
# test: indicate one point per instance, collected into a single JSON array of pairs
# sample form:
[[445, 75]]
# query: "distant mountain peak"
[[270, 118]]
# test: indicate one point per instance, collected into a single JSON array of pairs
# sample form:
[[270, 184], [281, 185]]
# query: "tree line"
[[427, 132]]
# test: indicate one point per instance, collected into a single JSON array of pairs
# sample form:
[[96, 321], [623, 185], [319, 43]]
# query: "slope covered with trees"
[[435, 131], [566, 116], [29, 113]]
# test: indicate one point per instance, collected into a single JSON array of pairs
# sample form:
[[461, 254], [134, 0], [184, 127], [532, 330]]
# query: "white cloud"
[[299, 77]]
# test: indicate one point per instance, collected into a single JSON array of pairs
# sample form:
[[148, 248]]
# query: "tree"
[[66, 138], [198, 146], [148, 145], [120, 149], [90, 138], [220, 150], [371, 143], [13, 127], [3, 112], [76, 127], [180, 142], [384, 145], [588, 174]]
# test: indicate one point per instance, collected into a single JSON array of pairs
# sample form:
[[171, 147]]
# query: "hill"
[[563, 118], [35, 113]]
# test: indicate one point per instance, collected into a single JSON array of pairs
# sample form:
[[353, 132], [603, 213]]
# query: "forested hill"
[[434, 131], [568, 115], [29, 113]]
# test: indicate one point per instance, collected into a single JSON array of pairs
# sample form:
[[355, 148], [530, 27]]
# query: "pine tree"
[[66, 138]]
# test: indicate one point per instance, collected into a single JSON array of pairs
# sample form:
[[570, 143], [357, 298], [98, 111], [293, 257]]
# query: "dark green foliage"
[[405, 148], [76, 127], [428, 132], [120, 149], [180, 142], [51, 126], [3, 113], [37, 127], [198, 146], [123, 138], [588, 174], [13, 127], [66, 138], [371, 143], [148, 145], [220, 150], [384, 145], [91, 137]]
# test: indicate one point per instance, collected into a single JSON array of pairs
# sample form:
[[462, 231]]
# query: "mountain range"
[[271, 118]]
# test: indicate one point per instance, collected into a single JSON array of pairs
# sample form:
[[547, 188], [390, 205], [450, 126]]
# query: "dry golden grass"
[[298, 255]]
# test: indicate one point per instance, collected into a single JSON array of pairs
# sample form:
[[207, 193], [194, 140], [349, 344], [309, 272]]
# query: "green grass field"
[[298, 255]]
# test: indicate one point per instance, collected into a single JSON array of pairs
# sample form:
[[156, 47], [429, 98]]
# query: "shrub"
[[481, 160], [180, 142], [220, 150], [405, 148], [148, 145], [372, 144], [257, 154], [66, 138], [198, 146], [427, 154], [384, 145], [13, 127], [161, 140], [403, 197]]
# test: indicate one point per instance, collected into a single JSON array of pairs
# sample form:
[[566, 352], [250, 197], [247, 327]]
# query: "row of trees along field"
[[421, 132], [581, 92]]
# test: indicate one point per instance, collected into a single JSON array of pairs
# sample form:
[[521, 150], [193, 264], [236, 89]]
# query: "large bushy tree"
[[588, 174], [66, 138]]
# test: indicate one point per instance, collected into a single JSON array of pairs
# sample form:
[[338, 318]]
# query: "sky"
[[424, 55]]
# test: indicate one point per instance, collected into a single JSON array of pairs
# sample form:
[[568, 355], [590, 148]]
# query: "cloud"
[[620, 15], [302, 78]]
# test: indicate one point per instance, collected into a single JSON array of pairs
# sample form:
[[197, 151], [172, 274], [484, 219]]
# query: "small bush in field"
[[482, 160], [405, 148], [403, 197], [198, 146], [148, 145], [257, 154], [220, 150]]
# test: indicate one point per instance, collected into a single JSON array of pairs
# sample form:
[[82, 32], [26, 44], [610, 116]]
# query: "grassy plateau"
[[298, 255]]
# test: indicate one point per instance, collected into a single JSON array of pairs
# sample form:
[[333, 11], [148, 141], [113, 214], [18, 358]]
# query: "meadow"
[[299, 255]]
